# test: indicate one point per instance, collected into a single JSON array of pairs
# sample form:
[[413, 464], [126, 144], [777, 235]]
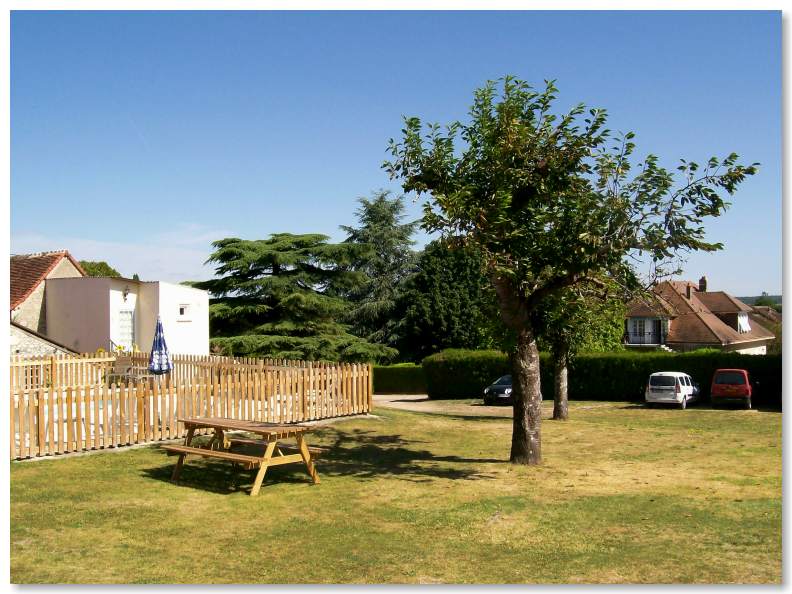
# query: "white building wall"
[[78, 312], [123, 296], [85, 314], [188, 333], [762, 350], [148, 308]]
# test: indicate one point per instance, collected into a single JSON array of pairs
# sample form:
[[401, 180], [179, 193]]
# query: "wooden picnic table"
[[270, 438]]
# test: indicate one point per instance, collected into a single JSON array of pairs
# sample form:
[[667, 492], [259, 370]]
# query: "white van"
[[671, 387]]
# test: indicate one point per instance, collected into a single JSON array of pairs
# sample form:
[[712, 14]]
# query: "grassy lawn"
[[626, 494]]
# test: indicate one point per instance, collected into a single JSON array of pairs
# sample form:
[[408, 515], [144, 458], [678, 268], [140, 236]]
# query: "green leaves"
[[102, 268], [447, 303], [284, 297], [548, 198]]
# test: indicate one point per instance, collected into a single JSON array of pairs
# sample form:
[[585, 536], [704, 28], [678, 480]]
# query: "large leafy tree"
[[385, 262], [447, 303], [94, 268], [582, 318], [279, 297], [551, 201]]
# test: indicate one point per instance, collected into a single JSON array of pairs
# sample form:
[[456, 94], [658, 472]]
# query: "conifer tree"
[[385, 261], [281, 297]]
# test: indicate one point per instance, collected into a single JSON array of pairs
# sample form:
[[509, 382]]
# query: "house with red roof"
[[27, 274], [57, 308], [683, 316]]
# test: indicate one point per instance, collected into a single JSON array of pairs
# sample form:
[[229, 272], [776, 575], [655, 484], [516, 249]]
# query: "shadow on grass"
[[353, 453], [704, 406]]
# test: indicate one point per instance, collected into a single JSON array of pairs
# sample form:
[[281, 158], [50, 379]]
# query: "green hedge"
[[404, 378], [459, 373], [603, 376]]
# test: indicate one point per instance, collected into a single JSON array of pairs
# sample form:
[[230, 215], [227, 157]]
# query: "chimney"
[[703, 284], [687, 290]]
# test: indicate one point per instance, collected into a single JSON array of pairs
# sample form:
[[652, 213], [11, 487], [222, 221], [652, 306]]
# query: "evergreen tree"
[[279, 297], [447, 303], [385, 262]]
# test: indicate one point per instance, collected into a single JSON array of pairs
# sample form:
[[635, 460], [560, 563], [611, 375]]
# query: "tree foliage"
[[582, 319], [552, 200], [447, 303], [768, 301], [99, 268], [384, 263], [585, 317], [281, 297]]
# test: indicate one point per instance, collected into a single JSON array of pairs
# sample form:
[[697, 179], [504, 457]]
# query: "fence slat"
[[41, 424], [60, 404]]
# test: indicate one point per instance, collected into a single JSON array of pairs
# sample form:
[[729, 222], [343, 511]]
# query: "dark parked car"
[[499, 391]]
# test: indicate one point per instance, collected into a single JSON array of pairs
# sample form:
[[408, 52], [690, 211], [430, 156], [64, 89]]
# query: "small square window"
[[184, 311]]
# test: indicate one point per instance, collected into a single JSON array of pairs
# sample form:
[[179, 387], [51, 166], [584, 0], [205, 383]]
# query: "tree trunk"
[[526, 434], [560, 392]]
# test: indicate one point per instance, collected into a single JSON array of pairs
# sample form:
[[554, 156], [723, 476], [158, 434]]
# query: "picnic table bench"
[[270, 436]]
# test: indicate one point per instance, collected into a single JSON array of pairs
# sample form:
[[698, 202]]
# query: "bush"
[[618, 376], [404, 378], [459, 373]]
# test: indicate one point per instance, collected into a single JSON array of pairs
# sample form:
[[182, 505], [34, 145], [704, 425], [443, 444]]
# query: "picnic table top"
[[258, 427]]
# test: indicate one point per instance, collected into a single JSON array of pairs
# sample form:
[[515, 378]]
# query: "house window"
[[639, 327], [184, 312], [742, 323]]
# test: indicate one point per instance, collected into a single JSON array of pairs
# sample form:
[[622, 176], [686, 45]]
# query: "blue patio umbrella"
[[159, 360]]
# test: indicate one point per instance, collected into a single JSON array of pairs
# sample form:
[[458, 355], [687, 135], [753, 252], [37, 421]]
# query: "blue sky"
[[138, 138]]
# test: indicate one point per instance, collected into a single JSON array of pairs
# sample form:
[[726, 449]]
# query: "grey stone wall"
[[26, 344], [32, 312]]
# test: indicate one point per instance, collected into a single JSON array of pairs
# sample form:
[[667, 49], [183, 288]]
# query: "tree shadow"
[[476, 417], [358, 453]]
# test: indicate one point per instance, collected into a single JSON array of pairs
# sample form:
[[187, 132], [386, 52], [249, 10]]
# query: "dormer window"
[[742, 323]]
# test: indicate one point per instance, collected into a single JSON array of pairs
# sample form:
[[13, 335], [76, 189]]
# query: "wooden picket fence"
[[59, 419], [32, 373]]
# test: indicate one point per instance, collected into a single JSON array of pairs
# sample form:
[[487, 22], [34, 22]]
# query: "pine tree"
[[279, 297], [386, 260]]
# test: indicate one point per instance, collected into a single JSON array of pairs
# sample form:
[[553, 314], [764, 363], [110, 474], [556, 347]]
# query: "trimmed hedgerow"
[[460, 373], [599, 376], [404, 378]]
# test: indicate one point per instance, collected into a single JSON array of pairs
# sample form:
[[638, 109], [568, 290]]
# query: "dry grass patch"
[[626, 494]]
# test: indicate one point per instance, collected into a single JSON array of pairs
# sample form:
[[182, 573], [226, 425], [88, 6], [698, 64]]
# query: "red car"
[[731, 384]]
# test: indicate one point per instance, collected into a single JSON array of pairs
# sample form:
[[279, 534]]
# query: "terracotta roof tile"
[[694, 320], [720, 302], [650, 306], [28, 270]]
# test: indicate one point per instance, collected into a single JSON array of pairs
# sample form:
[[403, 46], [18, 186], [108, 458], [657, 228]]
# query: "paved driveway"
[[421, 403]]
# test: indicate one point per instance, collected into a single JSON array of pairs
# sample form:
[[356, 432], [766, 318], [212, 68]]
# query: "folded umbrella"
[[159, 360]]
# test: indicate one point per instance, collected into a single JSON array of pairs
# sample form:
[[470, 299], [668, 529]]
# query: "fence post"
[[370, 386], [54, 371]]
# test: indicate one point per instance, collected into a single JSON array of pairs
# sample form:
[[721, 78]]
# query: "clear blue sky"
[[138, 138]]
